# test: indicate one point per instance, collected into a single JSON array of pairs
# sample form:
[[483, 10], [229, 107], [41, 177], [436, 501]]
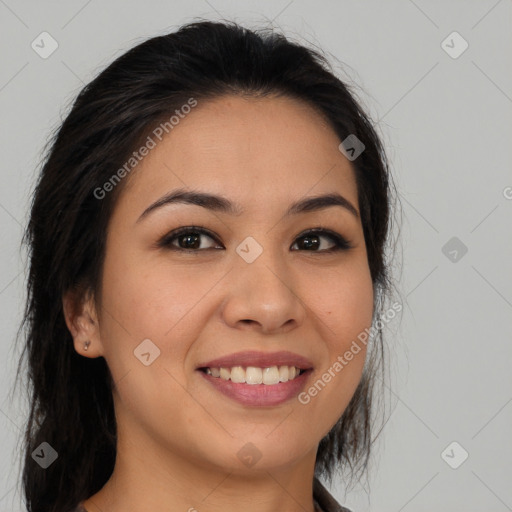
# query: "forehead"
[[261, 152]]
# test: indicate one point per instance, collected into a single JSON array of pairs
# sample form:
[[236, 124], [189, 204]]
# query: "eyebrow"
[[224, 205]]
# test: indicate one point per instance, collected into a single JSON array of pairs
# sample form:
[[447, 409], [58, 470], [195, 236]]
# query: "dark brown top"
[[323, 500]]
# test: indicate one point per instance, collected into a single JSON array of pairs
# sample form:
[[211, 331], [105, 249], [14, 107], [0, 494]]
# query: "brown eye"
[[311, 239], [188, 239]]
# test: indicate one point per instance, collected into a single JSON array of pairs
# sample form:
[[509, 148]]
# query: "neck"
[[147, 477]]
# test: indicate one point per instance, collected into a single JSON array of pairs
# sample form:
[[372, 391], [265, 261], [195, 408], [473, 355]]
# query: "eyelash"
[[341, 244]]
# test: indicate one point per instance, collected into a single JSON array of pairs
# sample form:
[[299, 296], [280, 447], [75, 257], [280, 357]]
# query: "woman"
[[206, 260]]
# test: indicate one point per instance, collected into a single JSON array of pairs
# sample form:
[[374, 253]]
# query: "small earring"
[[86, 345]]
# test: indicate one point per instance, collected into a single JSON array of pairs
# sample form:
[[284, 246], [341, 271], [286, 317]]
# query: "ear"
[[82, 321]]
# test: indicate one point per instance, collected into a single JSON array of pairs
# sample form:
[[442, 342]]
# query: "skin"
[[178, 437]]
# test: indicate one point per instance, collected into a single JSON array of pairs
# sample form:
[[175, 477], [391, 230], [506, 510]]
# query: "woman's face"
[[251, 283]]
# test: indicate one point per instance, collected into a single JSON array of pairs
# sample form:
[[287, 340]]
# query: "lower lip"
[[259, 394]]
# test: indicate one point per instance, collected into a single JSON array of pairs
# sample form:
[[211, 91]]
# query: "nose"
[[263, 296]]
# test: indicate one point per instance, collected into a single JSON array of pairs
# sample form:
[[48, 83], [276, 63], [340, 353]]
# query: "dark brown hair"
[[71, 405]]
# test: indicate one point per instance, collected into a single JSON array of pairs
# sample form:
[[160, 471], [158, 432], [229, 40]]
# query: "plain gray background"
[[446, 121]]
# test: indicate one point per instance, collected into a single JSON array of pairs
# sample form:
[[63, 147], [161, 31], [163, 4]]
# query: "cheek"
[[148, 302], [147, 296], [348, 325], [343, 305], [152, 300], [342, 300]]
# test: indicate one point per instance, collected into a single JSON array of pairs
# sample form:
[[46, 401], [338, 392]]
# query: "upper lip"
[[259, 359]]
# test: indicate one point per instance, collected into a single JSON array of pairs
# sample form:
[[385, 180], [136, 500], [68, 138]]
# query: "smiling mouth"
[[255, 375]]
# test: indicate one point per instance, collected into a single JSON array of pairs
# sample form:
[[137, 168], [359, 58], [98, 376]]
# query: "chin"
[[255, 453]]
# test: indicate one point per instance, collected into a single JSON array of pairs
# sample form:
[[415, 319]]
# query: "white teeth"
[[237, 374], [271, 375], [253, 375]]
